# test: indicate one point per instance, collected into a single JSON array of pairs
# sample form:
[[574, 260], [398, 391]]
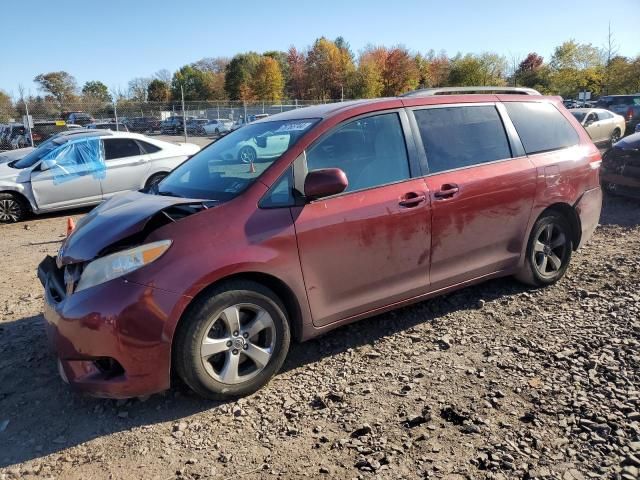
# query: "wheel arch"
[[21, 196], [569, 212], [279, 288]]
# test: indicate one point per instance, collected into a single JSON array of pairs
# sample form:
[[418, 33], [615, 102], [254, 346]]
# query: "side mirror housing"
[[324, 183], [47, 164]]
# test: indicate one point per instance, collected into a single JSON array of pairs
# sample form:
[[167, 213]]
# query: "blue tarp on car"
[[75, 158]]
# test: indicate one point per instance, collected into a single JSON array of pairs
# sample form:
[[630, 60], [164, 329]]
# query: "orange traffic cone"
[[252, 168], [70, 225]]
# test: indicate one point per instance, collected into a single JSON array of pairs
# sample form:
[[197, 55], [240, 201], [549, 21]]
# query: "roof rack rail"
[[427, 92]]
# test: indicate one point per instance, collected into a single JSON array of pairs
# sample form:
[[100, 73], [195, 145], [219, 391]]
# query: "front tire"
[[154, 180], [548, 251], [12, 208], [232, 341], [247, 154]]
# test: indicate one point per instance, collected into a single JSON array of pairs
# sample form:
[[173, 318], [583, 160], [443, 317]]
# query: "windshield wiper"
[[165, 193]]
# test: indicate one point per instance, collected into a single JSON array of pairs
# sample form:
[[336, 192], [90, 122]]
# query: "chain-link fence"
[[48, 118]]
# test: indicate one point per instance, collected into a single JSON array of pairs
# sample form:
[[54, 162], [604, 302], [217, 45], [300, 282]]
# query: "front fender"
[[22, 189]]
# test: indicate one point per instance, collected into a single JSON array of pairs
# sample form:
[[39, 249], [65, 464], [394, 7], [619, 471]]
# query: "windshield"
[[227, 167], [35, 155], [579, 116]]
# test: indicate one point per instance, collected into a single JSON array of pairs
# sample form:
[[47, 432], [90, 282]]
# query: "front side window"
[[228, 166], [541, 127], [371, 151], [458, 137]]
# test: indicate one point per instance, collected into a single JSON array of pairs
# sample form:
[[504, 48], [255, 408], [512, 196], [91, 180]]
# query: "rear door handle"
[[412, 199], [447, 190]]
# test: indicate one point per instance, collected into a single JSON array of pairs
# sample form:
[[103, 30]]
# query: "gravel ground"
[[494, 381]]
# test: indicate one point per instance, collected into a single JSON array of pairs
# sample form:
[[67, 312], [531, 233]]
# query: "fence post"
[[26, 109], [115, 113], [184, 115]]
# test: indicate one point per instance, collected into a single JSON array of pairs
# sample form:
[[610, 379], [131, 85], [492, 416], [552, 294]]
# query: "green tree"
[[576, 67], [198, 85], [60, 85], [97, 90], [477, 70], [158, 91], [267, 82], [239, 74]]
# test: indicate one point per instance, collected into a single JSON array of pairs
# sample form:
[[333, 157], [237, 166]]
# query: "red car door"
[[482, 188], [369, 246]]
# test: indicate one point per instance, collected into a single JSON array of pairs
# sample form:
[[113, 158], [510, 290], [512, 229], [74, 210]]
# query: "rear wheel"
[[548, 251], [233, 341], [615, 136], [154, 180], [12, 208]]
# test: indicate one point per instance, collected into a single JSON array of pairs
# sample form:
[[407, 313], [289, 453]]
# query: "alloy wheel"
[[615, 136], [549, 250], [238, 343], [9, 210], [247, 155]]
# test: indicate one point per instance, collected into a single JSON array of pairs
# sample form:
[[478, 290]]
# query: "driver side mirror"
[[47, 165], [324, 183], [261, 141]]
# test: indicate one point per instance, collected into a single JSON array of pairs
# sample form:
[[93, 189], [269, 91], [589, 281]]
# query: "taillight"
[[629, 114]]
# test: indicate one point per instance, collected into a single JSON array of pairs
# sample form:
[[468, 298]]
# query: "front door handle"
[[447, 190], [412, 199]]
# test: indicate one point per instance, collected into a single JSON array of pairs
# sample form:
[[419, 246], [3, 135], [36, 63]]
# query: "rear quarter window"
[[541, 126]]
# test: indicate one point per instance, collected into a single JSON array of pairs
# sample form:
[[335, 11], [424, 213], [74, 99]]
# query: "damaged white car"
[[83, 170]]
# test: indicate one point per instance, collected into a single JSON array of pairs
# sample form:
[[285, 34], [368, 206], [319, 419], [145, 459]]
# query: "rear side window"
[[120, 148], [541, 126], [149, 148], [457, 137]]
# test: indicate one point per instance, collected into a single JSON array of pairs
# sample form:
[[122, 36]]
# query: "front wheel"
[[12, 208], [154, 180], [247, 154], [232, 341], [548, 251]]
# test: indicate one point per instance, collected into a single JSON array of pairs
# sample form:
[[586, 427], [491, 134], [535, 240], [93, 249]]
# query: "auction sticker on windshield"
[[294, 127]]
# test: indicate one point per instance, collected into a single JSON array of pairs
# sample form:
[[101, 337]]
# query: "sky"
[[118, 40]]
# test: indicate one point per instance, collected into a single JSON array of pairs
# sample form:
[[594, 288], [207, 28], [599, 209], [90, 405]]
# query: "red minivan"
[[310, 219]]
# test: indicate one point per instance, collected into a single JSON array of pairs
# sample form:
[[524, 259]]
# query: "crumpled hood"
[[10, 175], [116, 219]]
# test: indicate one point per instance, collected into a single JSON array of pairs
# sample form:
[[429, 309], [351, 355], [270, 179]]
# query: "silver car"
[[69, 171]]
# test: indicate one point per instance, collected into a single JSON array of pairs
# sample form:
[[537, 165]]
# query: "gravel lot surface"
[[494, 381]]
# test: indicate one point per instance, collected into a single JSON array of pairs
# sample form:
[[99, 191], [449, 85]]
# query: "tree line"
[[329, 70]]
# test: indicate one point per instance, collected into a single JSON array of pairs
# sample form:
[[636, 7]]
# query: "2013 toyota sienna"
[[338, 212]]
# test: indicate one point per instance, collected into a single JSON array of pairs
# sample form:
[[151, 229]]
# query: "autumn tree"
[[297, 83], [60, 85], [138, 88], [96, 90], [158, 91], [267, 82], [328, 69]]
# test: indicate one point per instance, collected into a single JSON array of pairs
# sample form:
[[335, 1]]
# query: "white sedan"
[[217, 126], [602, 125], [70, 171]]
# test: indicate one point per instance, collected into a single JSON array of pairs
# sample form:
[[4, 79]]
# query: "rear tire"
[[222, 355], [615, 136], [548, 251], [154, 179], [12, 208]]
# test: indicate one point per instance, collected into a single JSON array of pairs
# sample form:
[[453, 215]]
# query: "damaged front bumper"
[[620, 172], [110, 339]]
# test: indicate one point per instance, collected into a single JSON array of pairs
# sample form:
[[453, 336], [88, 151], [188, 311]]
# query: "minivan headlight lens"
[[120, 263]]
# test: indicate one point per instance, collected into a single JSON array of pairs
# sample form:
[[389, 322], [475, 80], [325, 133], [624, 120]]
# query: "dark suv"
[[173, 125], [344, 211], [143, 124], [626, 105]]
